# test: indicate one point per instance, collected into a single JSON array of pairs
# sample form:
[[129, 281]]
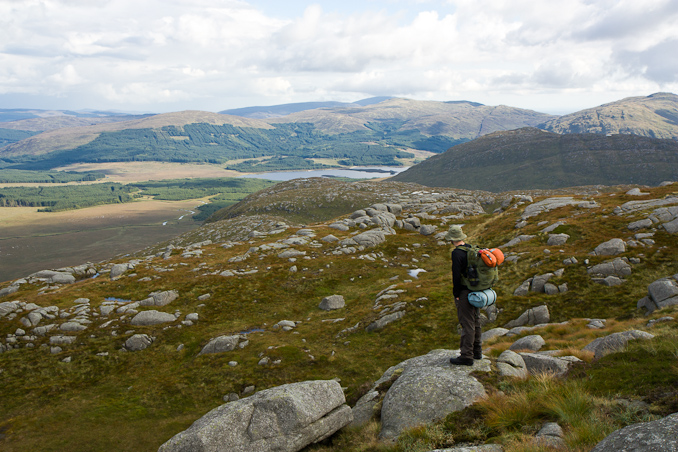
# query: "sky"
[[552, 56]]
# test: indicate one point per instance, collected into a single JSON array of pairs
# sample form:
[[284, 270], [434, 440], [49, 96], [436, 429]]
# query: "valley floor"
[[31, 241]]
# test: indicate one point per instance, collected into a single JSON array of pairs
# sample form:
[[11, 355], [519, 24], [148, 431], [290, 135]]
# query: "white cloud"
[[218, 54]]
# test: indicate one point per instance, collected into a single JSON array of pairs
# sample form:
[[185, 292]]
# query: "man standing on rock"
[[469, 316]]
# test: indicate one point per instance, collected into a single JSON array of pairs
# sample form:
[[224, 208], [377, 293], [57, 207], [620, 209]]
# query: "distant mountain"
[[369, 134], [457, 120], [653, 116], [74, 137], [44, 120], [275, 111], [530, 158]]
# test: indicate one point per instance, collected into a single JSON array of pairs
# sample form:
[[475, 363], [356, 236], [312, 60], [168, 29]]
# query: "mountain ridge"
[[532, 158]]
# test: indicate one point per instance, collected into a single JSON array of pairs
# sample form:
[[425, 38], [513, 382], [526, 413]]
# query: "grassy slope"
[[135, 401], [530, 158]]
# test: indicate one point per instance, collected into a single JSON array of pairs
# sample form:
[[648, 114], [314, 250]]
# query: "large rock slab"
[[614, 342], [282, 419], [660, 435], [429, 388]]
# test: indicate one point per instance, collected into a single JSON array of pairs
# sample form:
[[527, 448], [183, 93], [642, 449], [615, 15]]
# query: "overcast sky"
[[554, 56]]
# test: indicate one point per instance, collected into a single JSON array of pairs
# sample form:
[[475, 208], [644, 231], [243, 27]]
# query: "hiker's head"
[[455, 234]]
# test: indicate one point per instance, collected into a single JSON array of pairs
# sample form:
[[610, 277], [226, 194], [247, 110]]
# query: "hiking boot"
[[459, 361], [477, 354]]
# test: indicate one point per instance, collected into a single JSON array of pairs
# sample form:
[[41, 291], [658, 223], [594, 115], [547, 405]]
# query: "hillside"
[[458, 120], [373, 134], [531, 158], [653, 116], [72, 137], [80, 369]]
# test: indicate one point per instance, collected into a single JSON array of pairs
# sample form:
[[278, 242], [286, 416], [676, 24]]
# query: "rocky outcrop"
[[421, 390], [660, 435], [614, 342], [660, 294], [282, 419], [533, 316]]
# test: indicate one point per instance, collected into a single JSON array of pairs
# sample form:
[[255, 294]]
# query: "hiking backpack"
[[481, 267]]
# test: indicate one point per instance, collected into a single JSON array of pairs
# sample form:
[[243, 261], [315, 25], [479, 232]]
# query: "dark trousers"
[[469, 319]]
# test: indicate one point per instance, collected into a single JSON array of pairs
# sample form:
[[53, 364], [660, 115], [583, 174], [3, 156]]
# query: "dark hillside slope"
[[653, 116], [529, 158]]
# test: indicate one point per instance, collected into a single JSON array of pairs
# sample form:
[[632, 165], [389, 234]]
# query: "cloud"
[[161, 54], [657, 63]]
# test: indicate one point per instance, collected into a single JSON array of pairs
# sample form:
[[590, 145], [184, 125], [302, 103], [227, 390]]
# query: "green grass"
[[135, 401]]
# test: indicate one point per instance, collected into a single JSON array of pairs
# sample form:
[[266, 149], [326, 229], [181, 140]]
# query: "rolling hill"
[[653, 116], [531, 158], [374, 134]]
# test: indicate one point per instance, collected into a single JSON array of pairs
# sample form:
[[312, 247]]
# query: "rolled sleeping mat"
[[482, 298]]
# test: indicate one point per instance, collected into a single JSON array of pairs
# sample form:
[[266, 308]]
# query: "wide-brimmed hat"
[[455, 234]]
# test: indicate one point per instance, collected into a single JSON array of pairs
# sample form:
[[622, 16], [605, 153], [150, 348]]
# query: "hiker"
[[469, 316]]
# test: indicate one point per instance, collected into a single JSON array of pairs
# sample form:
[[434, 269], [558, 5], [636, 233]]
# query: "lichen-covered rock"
[[614, 342], [282, 419], [428, 389], [660, 435]]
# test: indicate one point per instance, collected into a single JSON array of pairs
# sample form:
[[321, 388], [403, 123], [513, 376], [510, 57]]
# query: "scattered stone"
[[533, 343], [610, 248], [332, 302], [152, 317], [533, 316], [160, 298], [494, 332], [138, 342], [550, 436], [511, 364], [224, 344], [557, 239], [539, 363]]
